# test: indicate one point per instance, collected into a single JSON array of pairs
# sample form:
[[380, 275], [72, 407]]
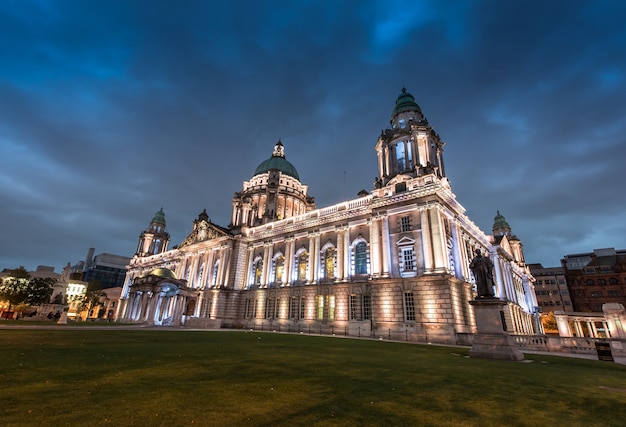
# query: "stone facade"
[[393, 262]]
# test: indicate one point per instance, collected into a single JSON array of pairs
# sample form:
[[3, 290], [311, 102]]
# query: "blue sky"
[[111, 110]]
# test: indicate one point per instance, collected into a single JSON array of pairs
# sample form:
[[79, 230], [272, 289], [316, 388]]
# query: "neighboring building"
[[596, 278], [551, 288], [108, 269], [393, 262], [110, 301], [75, 292]]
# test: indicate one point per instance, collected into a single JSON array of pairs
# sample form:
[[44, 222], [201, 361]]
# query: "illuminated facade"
[[393, 262]]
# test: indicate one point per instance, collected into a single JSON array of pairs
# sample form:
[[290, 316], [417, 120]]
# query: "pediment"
[[398, 178], [203, 231], [506, 245], [405, 241]]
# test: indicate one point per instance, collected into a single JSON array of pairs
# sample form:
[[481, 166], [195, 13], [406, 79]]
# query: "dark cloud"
[[112, 110]]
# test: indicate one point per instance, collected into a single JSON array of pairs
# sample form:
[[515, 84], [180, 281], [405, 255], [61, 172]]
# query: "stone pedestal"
[[63, 319], [492, 341]]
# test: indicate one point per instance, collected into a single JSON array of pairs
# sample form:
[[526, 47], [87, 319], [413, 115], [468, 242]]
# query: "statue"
[[65, 274], [482, 267]]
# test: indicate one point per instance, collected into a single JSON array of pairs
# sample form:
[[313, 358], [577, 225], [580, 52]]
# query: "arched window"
[[330, 256], [279, 268], [302, 259], [200, 275], [258, 270], [360, 258], [216, 269]]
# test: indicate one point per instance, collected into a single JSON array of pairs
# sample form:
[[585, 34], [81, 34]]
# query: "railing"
[[556, 344]]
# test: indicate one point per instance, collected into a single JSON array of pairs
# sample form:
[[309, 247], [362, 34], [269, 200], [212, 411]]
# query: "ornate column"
[[209, 265], [340, 260], [427, 249], [456, 250], [386, 268], [266, 261], [289, 254], [438, 241], [250, 253], [311, 257], [495, 259], [316, 266], [346, 253], [225, 264], [374, 246]]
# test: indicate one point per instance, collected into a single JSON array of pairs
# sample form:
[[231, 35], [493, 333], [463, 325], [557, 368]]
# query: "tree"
[[39, 290], [91, 298], [18, 288], [14, 290]]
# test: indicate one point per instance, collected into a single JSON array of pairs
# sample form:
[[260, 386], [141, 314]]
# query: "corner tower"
[[505, 238], [154, 239], [274, 192], [410, 147]]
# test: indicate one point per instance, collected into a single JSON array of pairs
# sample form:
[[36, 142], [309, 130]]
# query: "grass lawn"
[[80, 377]]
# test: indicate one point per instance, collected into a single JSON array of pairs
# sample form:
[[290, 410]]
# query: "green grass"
[[82, 377]]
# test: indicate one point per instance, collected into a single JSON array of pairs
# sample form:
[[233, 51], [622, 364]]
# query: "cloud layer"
[[112, 110]]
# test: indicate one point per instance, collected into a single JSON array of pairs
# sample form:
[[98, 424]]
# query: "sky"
[[111, 110]]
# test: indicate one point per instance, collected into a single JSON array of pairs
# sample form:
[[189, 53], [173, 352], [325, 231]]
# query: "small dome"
[[159, 218], [500, 226], [277, 162], [163, 272], [405, 102]]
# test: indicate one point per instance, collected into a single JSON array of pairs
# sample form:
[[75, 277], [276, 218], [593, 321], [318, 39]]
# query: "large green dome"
[[277, 162]]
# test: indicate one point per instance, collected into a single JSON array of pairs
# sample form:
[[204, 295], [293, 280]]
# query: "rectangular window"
[[409, 307], [320, 307], [293, 308], [408, 263], [367, 307], [331, 307], [405, 224], [301, 307], [354, 307], [269, 308], [249, 308]]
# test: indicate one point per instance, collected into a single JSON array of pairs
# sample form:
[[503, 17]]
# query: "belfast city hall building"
[[394, 262]]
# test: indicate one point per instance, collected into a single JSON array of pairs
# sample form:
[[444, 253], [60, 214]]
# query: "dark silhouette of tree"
[[19, 287], [39, 290]]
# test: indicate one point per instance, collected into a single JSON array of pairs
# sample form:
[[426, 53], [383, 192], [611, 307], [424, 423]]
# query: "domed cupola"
[[158, 219], [154, 239], [277, 162], [500, 226], [406, 111], [273, 193], [501, 232], [409, 149]]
